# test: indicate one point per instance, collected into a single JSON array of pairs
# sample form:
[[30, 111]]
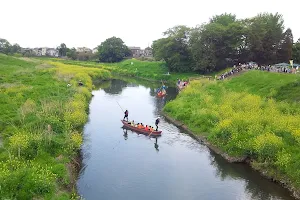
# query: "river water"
[[126, 165]]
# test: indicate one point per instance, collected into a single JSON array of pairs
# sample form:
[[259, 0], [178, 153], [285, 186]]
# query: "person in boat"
[[136, 125], [142, 125], [139, 126], [146, 128], [132, 123], [156, 123], [126, 115], [151, 129]]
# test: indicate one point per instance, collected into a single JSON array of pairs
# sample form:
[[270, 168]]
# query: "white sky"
[[47, 23]]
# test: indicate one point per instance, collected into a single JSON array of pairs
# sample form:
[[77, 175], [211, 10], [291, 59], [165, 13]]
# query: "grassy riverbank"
[[152, 70], [41, 120], [255, 114]]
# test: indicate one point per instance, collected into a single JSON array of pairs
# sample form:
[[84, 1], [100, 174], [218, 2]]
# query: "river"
[[126, 165]]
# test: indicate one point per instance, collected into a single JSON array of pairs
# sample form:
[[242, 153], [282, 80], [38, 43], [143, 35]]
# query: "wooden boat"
[[128, 126]]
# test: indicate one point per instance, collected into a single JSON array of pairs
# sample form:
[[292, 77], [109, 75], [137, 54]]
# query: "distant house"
[[148, 52], [45, 51], [52, 52], [136, 51], [95, 50], [83, 49], [37, 51]]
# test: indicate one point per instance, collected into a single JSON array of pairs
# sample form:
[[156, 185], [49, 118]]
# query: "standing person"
[[156, 123], [126, 115]]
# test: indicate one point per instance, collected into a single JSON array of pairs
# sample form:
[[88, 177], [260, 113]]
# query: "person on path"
[[156, 123], [126, 115]]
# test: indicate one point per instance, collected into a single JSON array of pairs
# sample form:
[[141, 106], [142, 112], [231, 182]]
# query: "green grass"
[[40, 125], [152, 70], [255, 114]]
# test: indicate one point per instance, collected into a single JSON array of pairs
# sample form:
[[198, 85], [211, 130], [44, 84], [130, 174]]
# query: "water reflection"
[[156, 145], [116, 87], [125, 134], [117, 163]]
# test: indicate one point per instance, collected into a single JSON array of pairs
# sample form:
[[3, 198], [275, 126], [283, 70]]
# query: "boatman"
[[156, 123], [126, 115]]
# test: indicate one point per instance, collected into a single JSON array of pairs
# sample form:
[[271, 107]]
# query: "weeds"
[[41, 119], [244, 117]]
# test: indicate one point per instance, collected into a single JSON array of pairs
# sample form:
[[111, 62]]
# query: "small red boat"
[[128, 126]]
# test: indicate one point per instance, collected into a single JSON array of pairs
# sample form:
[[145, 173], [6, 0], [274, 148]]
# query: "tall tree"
[[71, 53], [15, 48], [296, 52], [265, 35], [62, 49], [286, 47], [217, 44], [113, 50], [174, 49], [5, 46]]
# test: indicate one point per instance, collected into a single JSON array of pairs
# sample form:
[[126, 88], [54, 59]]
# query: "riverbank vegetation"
[[255, 115], [42, 112], [152, 70]]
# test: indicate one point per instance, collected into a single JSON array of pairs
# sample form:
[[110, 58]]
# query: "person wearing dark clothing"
[[156, 123], [126, 115]]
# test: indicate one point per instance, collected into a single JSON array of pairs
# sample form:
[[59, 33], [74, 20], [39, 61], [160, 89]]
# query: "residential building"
[[136, 51], [52, 52], [45, 51], [37, 51], [148, 52], [84, 49]]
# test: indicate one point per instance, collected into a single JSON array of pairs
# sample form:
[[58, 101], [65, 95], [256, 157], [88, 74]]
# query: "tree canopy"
[[225, 41], [113, 50], [7, 48]]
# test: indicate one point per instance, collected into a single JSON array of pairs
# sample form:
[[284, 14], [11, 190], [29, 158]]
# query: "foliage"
[[225, 41], [174, 49], [7, 48], [246, 116], [41, 120], [71, 53], [133, 68], [296, 52], [266, 32], [217, 44], [284, 53], [113, 50], [62, 49]]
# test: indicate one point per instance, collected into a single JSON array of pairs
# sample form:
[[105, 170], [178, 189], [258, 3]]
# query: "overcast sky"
[[47, 23]]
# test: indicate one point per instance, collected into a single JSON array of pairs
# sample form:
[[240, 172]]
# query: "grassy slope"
[[254, 114], [35, 160], [143, 69]]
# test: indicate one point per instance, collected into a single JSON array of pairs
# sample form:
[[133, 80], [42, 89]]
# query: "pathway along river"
[[118, 166]]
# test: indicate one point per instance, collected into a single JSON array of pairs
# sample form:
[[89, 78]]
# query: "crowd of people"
[[181, 83], [251, 66]]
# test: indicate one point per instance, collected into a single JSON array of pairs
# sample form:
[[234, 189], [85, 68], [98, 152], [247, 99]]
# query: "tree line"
[[111, 50], [225, 41], [7, 48]]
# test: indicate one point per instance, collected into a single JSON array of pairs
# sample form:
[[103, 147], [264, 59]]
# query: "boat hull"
[[127, 126]]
